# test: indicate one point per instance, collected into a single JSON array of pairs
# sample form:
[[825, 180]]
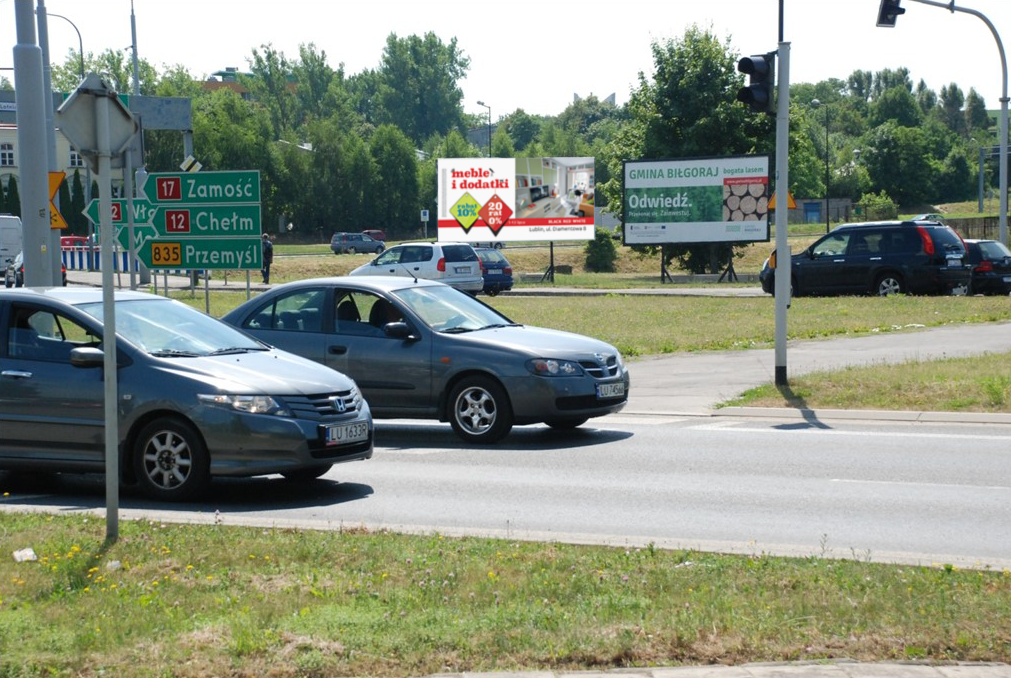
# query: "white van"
[[11, 239]]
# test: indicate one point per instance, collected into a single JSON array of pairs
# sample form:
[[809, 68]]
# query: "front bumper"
[[243, 444], [537, 399]]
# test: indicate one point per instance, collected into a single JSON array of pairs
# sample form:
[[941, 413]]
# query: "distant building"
[[607, 100]]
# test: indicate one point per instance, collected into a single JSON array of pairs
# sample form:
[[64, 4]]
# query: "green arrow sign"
[[202, 253], [206, 220], [141, 234], [141, 211], [202, 188]]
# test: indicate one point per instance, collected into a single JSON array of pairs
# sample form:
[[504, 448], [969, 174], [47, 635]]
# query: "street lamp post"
[[80, 43], [481, 103], [816, 104]]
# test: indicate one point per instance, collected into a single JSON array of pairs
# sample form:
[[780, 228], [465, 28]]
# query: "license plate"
[[462, 269], [955, 262], [611, 390], [342, 434], [1007, 278]]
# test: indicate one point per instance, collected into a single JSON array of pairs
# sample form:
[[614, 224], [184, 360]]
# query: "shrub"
[[878, 207], [600, 252]]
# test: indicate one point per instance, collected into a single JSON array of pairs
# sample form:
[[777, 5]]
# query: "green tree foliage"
[[13, 204], [898, 162], [313, 79], [522, 127], [63, 202], [601, 252], [897, 104], [396, 198], [271, 85], [976, 117], [951, 103], [75, 215], [418, 87], [502, 144], [874, 207]]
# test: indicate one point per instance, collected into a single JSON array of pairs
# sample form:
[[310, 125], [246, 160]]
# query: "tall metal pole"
[[481, 103], [1003, 107], [108, 236], [55, 255], [784, 260], [827, 178], [32, 144]]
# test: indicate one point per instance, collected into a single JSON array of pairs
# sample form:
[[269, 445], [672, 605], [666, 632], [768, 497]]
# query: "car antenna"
[[409, 273]]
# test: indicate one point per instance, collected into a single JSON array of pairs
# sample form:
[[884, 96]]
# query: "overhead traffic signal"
[[888, 12], [759, 95]]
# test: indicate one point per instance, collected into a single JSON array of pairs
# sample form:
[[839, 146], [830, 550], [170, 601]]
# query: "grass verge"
[[212, 600], [976, 384]]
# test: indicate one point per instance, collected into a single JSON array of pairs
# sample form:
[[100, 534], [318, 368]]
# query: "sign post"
[[424, 219]]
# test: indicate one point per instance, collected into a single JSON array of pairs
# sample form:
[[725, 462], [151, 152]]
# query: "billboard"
[[515, 199], [697, 200]]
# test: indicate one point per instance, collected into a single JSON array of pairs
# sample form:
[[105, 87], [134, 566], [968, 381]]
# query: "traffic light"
[[888, 12], [759, 95]]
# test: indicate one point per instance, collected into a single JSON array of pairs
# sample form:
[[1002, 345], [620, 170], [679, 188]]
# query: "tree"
[[271, 85], [396, 200], [859, 84], [522, 128], [64, 204], [952, 101], [897, 104], [976, 117], [925, 97], [687, 109], [313, 80], [600, 252], [886, 79], [418, 87], [502, 144], [13, 197], [78, 222], [899, 163]]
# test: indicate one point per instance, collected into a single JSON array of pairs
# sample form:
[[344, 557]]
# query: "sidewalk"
[[841, 668]]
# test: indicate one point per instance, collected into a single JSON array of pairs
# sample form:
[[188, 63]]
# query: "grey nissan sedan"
[[422, 349], [196, 398]]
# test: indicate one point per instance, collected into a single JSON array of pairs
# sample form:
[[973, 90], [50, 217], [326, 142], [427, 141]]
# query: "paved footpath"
[[832, 669]]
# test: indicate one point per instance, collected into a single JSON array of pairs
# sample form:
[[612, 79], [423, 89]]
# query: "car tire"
[[566, 424], [351, 250], [7, 283], [887, 284], [491, 293], [498, 245], [170, 460], [307, 474], [379, 250], [479, 410]]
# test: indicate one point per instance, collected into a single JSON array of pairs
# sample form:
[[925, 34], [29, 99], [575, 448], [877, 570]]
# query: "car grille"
[[319, 407], [598, 371], [320, 450]]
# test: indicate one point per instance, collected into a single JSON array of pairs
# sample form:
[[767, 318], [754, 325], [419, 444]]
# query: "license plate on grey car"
[[462, 269], [611, 390], [340, 434]]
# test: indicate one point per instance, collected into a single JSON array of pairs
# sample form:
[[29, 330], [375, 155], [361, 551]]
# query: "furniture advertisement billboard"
[[515, 199]]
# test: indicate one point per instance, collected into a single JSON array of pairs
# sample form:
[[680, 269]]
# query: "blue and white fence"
[[87, 259]]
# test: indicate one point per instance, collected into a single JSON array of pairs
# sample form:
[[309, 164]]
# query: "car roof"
[[73, 295], [377, 283], [872, 224]]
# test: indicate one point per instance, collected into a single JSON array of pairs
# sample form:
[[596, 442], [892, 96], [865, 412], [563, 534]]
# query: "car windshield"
[[168, 328], [449, 310]]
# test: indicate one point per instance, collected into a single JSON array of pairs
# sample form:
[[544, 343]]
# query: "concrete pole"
[[32, 148], [108, 236], [784, 260], [47, 87]]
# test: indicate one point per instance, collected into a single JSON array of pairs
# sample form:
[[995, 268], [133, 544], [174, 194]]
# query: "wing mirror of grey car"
[[398, 330], [89, 356]]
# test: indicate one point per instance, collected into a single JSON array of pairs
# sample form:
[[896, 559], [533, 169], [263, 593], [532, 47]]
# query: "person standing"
[[268, 257]]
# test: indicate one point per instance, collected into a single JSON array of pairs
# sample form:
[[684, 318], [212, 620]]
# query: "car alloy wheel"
[[888, 284], [170, 460], [480, 410]]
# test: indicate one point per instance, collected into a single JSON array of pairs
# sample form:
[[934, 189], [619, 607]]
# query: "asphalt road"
[[912, 493]]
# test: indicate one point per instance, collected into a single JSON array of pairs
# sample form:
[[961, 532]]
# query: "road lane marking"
[[866, 434], [960, 486]]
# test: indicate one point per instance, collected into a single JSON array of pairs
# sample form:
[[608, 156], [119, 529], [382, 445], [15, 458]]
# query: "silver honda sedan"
[[422, 349], [196, 398]]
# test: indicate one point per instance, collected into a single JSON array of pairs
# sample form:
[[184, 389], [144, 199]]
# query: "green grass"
[[976, 384], [213, 600]]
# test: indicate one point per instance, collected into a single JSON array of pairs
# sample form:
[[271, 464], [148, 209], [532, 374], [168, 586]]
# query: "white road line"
[[718, 426], [897, 482]]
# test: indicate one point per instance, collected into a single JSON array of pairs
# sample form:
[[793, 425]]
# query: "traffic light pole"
[[784, 261]]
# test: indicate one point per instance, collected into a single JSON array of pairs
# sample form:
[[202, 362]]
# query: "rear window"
[[992, 249], [491, 256], [946, 240], [459, 253]]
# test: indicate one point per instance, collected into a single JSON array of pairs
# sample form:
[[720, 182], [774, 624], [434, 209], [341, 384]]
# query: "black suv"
[[353, 243], [914, 257]]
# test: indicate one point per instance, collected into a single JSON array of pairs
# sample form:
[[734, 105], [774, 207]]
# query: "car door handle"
[[338, 350], [836, 261], [16, 374], [875, 258]]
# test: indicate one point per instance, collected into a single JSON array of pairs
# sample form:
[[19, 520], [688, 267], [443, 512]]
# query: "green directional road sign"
[[202, 253], [141, 234], [202, 188], [206, 220], [141, 211]]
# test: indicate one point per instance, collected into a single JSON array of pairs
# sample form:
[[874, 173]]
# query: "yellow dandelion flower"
[[87, 588], [189, 567]]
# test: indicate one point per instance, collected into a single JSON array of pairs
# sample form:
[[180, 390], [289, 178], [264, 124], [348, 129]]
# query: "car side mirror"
[[399, 330], [89, 356]]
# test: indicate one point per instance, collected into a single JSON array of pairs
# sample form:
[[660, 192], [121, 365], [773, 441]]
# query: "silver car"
[[422, 349], [196, 397], [455, 264]]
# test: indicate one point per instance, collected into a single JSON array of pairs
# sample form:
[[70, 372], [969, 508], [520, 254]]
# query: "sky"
[[537, 55]]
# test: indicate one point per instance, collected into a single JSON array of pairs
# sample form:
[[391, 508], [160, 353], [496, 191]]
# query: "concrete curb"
[[835, 668]]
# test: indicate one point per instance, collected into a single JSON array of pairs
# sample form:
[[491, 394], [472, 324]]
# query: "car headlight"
[[252, 404], [621, 361], [554, 368]]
